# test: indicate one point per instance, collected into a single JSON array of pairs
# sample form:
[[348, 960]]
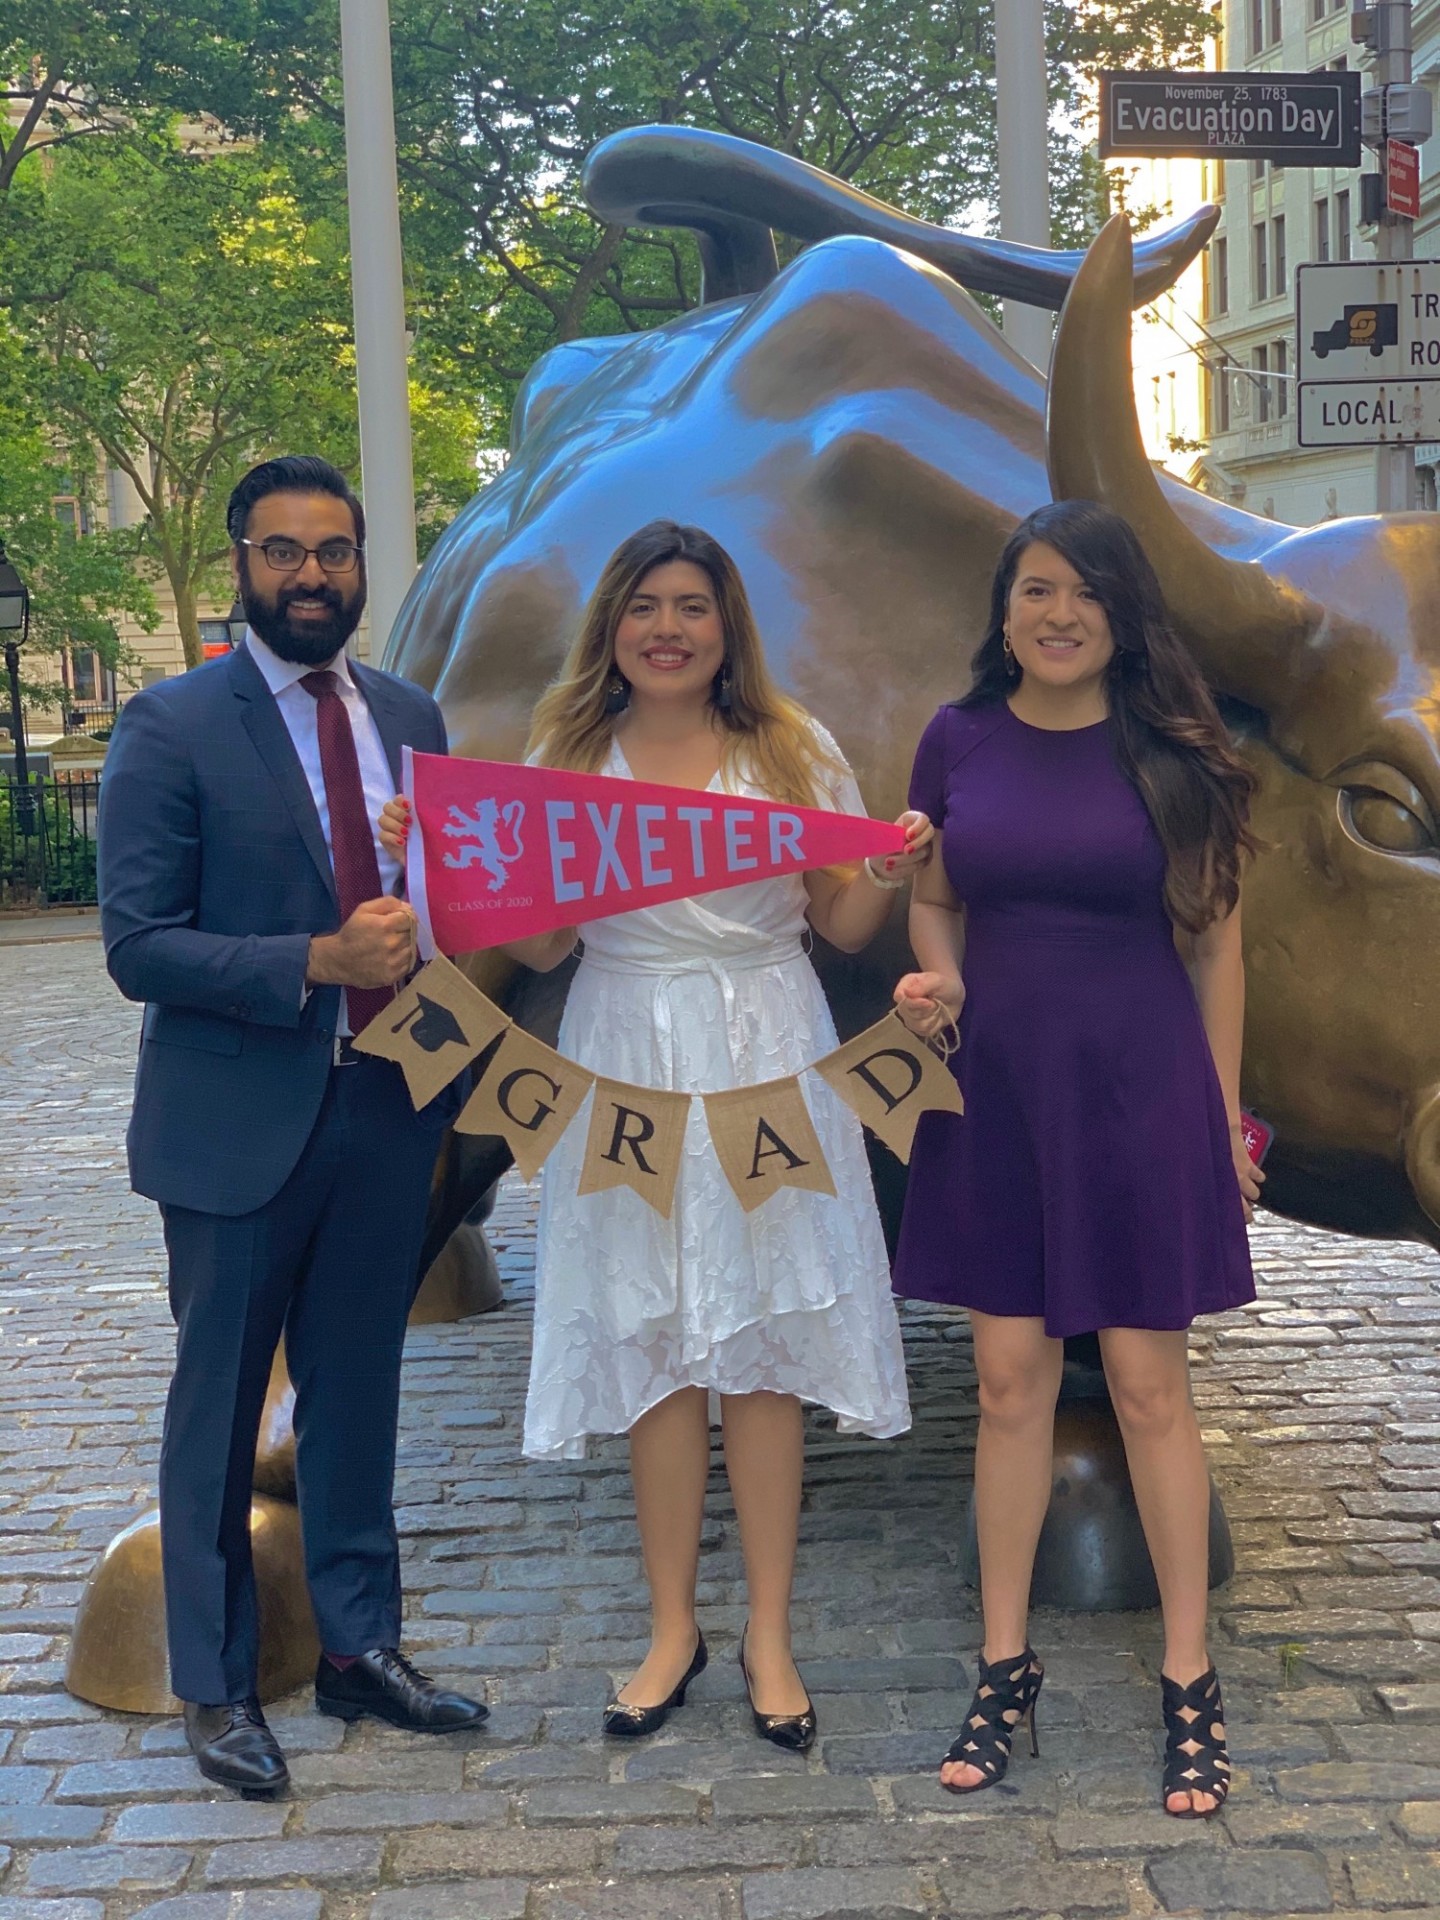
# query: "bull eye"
[[1377, 820]]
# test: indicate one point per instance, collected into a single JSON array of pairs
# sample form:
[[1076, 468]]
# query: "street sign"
[[1368, 353], [1357, 413], [1402, 178], [1368, 320], [1291, 119]]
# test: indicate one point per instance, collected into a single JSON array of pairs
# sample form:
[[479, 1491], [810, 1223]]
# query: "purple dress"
[[1090, 1181]]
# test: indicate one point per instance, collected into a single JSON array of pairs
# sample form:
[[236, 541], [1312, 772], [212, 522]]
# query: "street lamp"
[[15, 626], [237, 623]]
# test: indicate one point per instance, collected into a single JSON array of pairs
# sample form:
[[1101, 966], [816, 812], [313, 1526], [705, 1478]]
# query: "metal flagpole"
[[1022, 104], [378, 291]]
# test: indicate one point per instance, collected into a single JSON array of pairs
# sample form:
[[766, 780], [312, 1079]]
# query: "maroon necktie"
[[352, 838]]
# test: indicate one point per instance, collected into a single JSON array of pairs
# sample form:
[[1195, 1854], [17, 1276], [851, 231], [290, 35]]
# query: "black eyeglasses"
[[289, 556]]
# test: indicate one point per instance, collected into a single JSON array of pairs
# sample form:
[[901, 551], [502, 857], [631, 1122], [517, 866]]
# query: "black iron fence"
[[47, 840]]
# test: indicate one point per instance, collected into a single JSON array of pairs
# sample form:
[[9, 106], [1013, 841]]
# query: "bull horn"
[[733, 192], [1243, 624]]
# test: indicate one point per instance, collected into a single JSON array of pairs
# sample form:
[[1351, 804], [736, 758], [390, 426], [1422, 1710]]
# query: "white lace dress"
[[698, 996]]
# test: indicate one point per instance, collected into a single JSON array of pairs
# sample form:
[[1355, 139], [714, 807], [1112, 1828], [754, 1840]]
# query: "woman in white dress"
[[639, 1319]]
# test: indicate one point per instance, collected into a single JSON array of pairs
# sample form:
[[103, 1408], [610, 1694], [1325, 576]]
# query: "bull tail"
[[733, 195]]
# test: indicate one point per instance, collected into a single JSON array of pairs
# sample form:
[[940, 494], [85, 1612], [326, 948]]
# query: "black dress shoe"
[[233, 1746], [383, 1683], [633, 1723], [795, 1732]]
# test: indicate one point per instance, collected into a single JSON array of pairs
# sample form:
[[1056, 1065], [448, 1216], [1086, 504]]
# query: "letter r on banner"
[[636, 1139]]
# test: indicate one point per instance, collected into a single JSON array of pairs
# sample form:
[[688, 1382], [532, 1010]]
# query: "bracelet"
[[890, 886]]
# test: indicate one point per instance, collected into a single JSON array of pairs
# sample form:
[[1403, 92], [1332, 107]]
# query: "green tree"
[[183, 314], [499, 101], [80, 587]]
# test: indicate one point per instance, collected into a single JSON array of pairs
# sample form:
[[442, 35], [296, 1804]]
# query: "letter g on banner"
[[528, 1094]]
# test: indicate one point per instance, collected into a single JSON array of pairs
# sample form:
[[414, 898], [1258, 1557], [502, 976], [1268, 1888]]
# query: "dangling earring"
[[724, 699], [1012, 665], [617, 693]]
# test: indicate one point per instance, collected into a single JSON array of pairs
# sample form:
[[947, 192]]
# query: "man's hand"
[[374, 948]]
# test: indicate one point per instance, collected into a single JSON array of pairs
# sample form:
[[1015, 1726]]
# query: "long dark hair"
[[1169, 738]]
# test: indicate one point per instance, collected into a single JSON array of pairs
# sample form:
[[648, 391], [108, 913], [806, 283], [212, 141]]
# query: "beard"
[[315, 642]]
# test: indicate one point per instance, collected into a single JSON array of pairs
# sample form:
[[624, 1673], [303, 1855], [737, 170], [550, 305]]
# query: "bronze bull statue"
[[858, 433]]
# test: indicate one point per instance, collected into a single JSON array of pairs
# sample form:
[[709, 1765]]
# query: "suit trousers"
[[330, 1262]]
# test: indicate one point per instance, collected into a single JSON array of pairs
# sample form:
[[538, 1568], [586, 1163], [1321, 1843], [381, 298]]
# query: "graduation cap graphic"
[[431, 1025]]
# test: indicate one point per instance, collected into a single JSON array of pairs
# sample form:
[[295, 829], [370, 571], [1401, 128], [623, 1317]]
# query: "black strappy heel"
[[633, 1723], [1004, 1702], [1196, 1757]]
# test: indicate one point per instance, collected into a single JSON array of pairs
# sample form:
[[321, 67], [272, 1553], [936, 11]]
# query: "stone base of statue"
[[1092, 1555]]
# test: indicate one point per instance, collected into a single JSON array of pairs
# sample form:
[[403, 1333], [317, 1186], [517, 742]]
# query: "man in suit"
[[245, 898]]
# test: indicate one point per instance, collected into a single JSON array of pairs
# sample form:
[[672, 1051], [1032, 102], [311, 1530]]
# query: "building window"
[[1322, 230], [1277, 255], [1342, 226], [1280, 367], [1264, 25], [1322, 9], [1217, 280], [1260, 364], [1260, 263], [1220, 396]]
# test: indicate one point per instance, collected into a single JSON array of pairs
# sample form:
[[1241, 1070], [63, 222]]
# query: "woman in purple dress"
[[1083, 928]]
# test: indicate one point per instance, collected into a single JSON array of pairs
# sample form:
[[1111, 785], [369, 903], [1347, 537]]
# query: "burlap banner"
[[636, 1138], [763, 1136], [765, 1139], [528, 1094], [889, 1078], [433, 1029]]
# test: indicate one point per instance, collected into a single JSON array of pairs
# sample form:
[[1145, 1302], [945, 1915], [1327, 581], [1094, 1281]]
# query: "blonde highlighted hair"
[[766, 737]]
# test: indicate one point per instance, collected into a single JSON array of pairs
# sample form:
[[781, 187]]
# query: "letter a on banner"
[[889, 1077], [637, 1135], [433, 1029], [765, 1139], [528, 1094]]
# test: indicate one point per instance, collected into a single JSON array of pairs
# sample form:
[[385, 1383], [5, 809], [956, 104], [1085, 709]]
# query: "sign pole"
[[1023, 109], [1391, 37], [378, 292]]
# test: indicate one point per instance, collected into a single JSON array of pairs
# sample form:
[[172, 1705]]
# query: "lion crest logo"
[[482, 827]]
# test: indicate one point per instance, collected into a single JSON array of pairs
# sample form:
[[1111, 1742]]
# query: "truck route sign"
[[1291, 119], [1368, 352]]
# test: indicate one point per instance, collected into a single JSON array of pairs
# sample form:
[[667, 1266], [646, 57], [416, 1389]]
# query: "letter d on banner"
[[889, 1077]]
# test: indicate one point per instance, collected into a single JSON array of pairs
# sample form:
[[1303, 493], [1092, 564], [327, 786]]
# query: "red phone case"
[[1257, 1134]]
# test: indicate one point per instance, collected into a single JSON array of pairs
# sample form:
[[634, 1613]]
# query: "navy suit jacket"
[[214, 874]]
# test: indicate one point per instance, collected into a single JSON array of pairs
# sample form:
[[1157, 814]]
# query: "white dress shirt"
[[298, 711]]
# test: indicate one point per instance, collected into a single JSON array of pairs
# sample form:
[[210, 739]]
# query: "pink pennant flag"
[[500, 852]]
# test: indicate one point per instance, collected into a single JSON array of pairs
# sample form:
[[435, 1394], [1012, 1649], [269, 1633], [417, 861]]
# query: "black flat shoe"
[[233, 1747], [632, 1723], [1196, 1757], [795, 1732], [1004, 1702], [383, 1684]]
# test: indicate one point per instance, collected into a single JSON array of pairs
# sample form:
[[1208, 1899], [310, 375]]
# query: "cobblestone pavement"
[[1323, 1405]]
